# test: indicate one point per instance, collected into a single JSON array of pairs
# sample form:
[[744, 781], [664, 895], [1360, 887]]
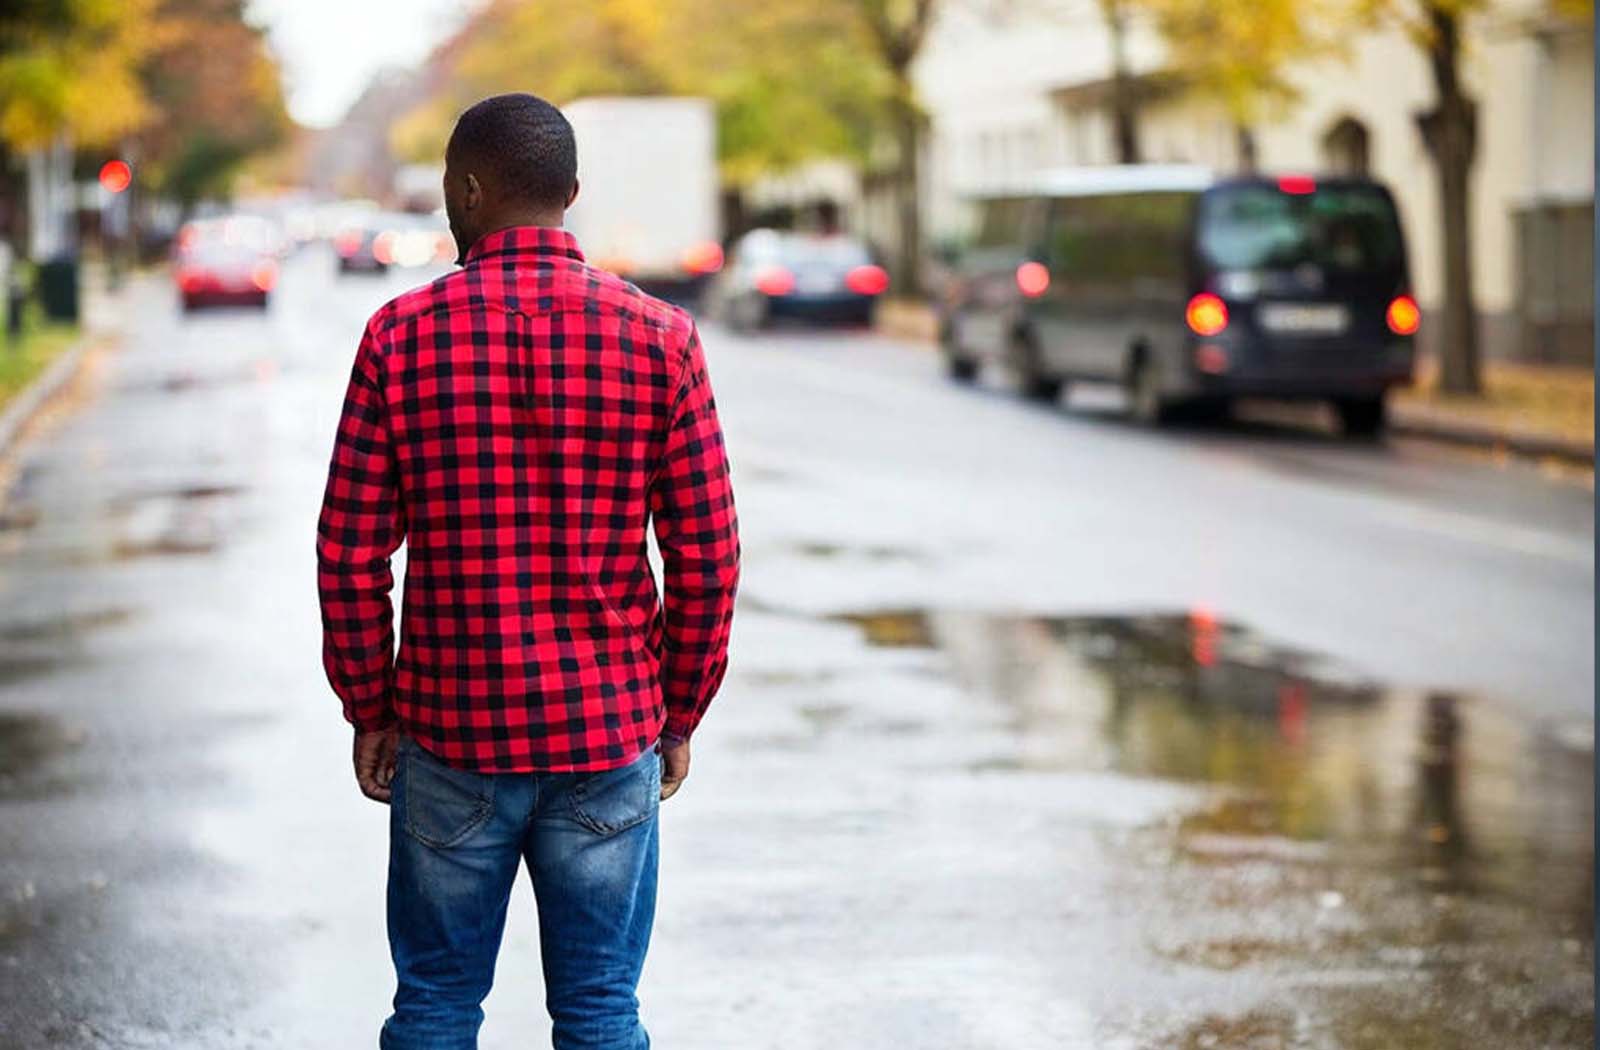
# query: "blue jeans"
[[456, 840]]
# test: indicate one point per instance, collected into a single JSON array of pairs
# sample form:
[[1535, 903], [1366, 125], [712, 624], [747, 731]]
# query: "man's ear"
[[574, 194], [474, 195]]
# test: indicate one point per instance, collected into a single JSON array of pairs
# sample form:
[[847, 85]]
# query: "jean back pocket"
[[615, 800], [443, 805]]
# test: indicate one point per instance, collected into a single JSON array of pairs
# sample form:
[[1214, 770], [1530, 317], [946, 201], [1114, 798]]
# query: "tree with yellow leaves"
[[71, 66]]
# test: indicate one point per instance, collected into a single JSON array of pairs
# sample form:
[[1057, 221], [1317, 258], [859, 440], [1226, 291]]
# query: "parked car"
[[227, 260], [1189, 291], [772, 275], [378, 241]]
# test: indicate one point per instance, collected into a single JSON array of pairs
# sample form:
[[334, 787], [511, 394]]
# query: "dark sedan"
[[774, 275]]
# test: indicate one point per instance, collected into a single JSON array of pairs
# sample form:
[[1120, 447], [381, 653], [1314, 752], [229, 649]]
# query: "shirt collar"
[[525, 240]]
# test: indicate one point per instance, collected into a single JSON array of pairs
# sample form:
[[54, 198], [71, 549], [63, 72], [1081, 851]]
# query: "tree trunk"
[[907, 202], [1245, 145], [1450, 133], [1124, 106]]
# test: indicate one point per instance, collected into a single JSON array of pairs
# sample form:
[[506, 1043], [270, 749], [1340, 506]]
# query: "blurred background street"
[[1240, 702]]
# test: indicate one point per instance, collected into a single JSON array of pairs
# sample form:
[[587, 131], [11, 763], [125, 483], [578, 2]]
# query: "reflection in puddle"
[[63, 627], [1464, 789], [867, 552], [1359, 833], [184, 520], [27, 741]]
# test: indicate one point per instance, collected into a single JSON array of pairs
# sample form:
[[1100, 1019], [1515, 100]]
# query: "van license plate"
[[1304, 318]]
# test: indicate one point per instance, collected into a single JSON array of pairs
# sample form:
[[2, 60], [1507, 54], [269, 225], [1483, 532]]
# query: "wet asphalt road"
[[1042, 730]]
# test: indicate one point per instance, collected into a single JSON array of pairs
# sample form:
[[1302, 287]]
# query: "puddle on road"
[[1314, 753], [182, 520], [63, 627], [27, 742], [868, 552], [1402, 853]]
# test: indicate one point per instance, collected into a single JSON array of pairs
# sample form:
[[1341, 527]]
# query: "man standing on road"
[[518, 423]]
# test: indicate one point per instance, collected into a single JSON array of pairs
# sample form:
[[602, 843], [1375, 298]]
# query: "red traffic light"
[[116, 176]]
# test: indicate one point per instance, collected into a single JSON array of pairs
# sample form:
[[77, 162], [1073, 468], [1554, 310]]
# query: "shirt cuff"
[[677, 730], [370, 720]]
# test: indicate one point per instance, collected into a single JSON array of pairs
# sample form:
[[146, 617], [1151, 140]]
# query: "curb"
[[15, 416], [1537, 446]]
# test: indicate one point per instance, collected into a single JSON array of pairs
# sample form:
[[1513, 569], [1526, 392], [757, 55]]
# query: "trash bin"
[[58, 287]]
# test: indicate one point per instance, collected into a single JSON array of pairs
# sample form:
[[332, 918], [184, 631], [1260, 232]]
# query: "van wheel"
[[1362, 417]]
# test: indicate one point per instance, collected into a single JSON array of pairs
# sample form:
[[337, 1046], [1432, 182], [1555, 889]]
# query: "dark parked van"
[[1189, 290]]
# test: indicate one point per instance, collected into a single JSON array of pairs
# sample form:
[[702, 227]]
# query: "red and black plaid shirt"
[[518, 423]]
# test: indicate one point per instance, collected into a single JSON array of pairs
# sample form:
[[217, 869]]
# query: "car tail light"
[[1297, 184], [1206, 314], [775, 280], [383, 247], [1403, 315], [867, 280], [703, 258], [191, 280], [264, 275], [348, 242], [1033, 279]]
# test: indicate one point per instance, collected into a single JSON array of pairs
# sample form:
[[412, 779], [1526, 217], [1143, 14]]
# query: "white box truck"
[[647, 205]]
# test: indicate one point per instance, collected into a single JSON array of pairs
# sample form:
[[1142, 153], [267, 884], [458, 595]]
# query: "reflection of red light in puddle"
[[1203, 631], [1292, 712]]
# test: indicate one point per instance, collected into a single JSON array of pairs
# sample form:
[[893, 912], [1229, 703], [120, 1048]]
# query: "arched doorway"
[[1347, 147]]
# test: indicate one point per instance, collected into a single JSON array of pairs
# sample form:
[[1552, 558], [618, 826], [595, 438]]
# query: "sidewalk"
[[50, 354], [1540, 411]]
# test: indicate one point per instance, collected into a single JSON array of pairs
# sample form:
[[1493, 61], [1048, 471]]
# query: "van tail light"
[[1403, 315], [1298, 185], [383, 247], [775, 280], [265, 275], [348, 242], [1033, 279], [867, 280], [1206, 314], [703, 258]]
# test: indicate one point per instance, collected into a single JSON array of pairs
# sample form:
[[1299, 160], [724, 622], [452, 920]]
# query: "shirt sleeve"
[[691, 503], [361, 525]]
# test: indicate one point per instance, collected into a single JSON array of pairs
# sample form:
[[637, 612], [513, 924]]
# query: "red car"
[[228, 261]]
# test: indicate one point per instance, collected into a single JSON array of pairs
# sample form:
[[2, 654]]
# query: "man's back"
[[518, 423]]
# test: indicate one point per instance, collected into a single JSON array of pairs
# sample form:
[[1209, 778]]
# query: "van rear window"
[[1347, 228], [1000, 222]]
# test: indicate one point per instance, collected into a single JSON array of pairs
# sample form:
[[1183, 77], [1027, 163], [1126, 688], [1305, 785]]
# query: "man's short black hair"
[[523, 143]]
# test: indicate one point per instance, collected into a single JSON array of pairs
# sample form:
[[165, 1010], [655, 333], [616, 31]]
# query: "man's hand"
[[674, 767], [374, 757]]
